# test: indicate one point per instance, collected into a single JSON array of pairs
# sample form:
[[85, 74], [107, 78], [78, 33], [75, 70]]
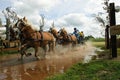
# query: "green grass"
[[99, 44], [103, 69], [8, 52], [95, 70], [97, 39], [118, 51]]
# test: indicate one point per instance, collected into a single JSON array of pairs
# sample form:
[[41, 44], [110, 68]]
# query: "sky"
[[64, 13]]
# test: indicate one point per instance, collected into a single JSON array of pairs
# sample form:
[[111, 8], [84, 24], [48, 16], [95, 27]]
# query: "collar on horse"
[[68, 38]]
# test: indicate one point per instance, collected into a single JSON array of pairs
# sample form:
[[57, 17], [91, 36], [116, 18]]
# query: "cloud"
[[32, 8], [64, 13], [69, 13], [31, 5], [80, 21], [93, 7], [72, 19]]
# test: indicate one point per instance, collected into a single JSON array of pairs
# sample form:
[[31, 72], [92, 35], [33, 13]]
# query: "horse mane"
[[65, 32], [53, 29], [28, 23], [28, 27]]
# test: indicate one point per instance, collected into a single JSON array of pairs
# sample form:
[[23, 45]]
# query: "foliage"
[[97, 39], [89, 37]]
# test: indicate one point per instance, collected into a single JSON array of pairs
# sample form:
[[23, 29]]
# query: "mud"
[[31, 69]]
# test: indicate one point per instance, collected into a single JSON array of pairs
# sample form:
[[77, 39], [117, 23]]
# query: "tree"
[[11, 17], [98, 17], [105, 23]]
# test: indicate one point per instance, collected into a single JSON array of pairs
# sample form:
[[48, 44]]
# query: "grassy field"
[[102, 69], [99, 44]]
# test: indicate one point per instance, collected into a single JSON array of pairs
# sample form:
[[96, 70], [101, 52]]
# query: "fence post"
[[112, 23], [107, 42]]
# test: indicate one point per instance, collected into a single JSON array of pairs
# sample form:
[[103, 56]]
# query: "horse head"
[[21, 23], [54, 32], [23, 27], [62, 32]]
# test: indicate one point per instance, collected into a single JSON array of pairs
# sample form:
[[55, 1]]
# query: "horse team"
[[35, 39]]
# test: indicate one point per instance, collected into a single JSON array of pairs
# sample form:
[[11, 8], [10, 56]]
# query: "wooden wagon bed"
[[6, 45]]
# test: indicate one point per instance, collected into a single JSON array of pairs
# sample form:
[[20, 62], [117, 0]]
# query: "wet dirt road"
[[31, 69]]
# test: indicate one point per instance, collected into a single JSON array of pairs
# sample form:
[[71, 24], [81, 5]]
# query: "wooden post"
[[107, 42], [113, 37]]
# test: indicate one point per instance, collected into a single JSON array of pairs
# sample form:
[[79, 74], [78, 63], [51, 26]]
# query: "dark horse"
[[13, 33], [67, 38], [31, 38]]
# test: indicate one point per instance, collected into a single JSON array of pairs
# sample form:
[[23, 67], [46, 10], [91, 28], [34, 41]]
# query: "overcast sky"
[[64, 13]]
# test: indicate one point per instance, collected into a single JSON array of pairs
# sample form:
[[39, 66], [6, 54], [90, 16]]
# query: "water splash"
[[57, 62]]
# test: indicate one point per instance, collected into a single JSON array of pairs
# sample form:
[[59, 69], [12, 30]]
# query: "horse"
[[32, 38], [67, 38], [56, 35], [13, 33]]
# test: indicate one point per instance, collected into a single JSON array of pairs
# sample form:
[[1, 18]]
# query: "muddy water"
[[31, 69]]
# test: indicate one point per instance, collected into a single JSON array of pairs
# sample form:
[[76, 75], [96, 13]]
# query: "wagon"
[[6, 45]]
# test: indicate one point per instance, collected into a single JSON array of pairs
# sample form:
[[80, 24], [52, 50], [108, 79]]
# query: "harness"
[[41, 35], [34, 36]]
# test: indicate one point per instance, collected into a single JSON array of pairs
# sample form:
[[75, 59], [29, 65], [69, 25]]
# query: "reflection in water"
[[30, 69]]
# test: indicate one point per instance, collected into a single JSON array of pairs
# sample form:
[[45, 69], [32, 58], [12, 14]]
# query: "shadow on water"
[[31, 69]]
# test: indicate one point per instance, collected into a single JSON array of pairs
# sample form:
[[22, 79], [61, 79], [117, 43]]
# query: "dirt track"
[[31, 69]]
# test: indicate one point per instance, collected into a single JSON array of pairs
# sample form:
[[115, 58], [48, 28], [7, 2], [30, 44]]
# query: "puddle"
[[30, 69]]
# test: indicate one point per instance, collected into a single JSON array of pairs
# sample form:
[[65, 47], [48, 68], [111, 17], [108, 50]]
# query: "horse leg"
[[36, 55], [53, 46], [45, 51], [49, 45], [22, 50]]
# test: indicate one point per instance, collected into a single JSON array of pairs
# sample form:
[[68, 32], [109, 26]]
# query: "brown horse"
[[56, 35], [67, 38], [35, 39]]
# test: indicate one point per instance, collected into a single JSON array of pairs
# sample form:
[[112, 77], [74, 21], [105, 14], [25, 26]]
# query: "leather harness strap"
[[41, 33]]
